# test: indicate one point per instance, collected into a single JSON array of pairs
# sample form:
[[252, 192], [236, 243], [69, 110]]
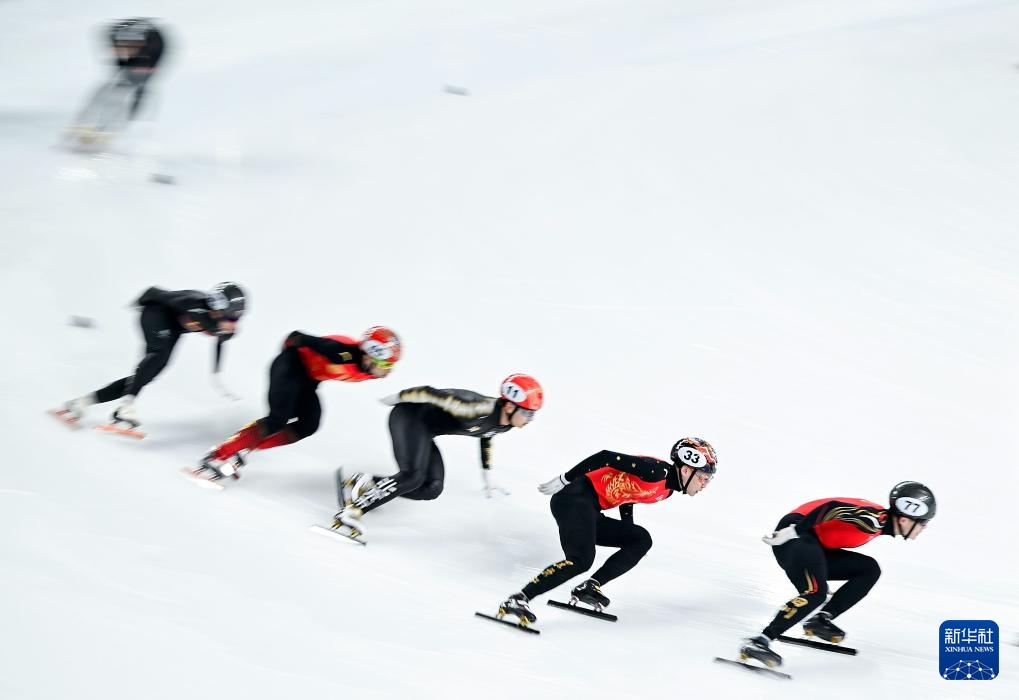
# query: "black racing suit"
[[166, 315], [419, 415]]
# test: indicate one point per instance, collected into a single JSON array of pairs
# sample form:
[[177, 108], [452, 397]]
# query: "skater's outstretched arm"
[[490, 487], [486, 453], [218, 352], [217, 382]]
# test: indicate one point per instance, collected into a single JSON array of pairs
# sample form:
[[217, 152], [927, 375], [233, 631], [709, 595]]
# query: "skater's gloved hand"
[[553, 485], [780, 536], [391, 400], [491, 488], [293, 341], [218, 384]]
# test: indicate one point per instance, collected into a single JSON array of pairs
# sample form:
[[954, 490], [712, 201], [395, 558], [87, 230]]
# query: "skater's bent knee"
[[411, 481], [815, 598], [582, 561], [303, 428], [642, 539], [272, 425], [430, 492]]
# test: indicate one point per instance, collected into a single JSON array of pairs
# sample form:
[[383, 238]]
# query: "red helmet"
[[523, 390], [381, 345]]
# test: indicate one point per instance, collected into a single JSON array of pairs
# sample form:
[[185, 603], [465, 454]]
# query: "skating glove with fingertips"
[[553, 485], [780, 536], [491, 488]]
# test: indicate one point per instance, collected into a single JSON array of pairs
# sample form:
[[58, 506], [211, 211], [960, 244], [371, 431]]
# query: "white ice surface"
[[789, 227]]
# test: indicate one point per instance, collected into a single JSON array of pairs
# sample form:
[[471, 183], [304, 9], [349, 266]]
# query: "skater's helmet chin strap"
[[679, 475], [905, 535], [694, 473]]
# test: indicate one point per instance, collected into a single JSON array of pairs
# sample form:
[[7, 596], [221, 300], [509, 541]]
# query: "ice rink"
[[787, 227]]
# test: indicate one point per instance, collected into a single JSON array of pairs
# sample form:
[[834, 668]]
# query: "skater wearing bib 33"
[[603, 481]]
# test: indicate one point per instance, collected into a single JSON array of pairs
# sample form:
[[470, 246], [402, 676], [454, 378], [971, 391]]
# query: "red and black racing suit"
[[602, 481], [827, 527], [305, 362]]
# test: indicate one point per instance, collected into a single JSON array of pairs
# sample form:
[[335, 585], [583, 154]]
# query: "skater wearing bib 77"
[[811, 544]]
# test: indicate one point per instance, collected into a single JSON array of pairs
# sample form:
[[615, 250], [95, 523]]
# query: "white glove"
[[218, 384], [780, 536], [490, 488], [390, 400], [553, 485]]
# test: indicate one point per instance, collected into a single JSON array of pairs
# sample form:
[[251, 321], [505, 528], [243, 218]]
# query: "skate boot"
[[348, 523], [364, 491], [821, 626], [354, 487], [126, 417], [124, 421], [72, 412], [342, 488], [213, 468], [759, 649], [232, 465], [517, 605], [89, 136], [589, 593]]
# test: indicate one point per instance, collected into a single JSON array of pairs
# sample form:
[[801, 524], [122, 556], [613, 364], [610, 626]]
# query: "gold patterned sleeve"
[[486, 453]]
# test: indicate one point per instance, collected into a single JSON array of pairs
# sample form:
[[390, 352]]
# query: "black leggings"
[[582, 525], [422, 472], [292, 394], [810, 566], [161, 331]]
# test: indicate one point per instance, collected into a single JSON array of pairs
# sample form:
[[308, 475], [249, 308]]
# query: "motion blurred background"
[[787, 227]]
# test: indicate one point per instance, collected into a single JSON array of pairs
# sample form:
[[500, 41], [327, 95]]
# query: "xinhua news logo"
[[969, 650]]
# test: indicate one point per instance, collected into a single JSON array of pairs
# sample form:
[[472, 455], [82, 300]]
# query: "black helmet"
[[131, 31], [913, 500], [229, 298]]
